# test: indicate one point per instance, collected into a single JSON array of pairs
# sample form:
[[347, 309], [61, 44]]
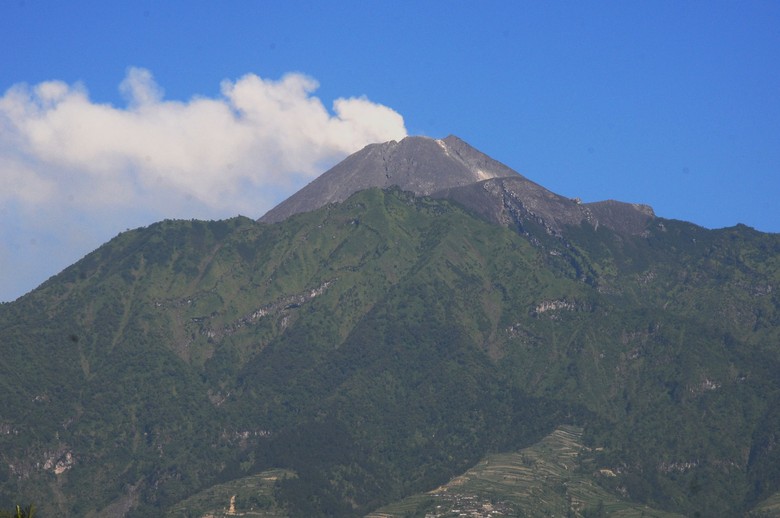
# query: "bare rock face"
[[515, 200], [452, 169], [418, 164]]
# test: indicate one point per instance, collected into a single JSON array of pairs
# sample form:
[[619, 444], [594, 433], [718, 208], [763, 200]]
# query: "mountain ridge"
[[511, 201], [450, 168]]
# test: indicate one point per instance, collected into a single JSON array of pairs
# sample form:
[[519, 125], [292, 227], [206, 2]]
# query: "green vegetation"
[[554, 477], [19, 512], [769, 508], [251, 496], [379, 348]]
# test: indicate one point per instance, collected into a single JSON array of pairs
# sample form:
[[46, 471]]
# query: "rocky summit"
[[417, 164], [450, 168]]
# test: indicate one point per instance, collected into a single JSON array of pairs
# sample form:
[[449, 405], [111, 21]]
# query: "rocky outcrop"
[[517, 201]]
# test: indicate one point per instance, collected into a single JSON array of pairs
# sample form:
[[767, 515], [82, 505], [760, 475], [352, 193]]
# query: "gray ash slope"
[[417, 164], [451, 169]]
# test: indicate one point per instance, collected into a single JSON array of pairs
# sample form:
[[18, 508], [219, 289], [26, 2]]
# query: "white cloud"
[[88, 163]]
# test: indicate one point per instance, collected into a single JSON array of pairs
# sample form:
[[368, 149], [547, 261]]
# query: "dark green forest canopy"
[[378, 347]]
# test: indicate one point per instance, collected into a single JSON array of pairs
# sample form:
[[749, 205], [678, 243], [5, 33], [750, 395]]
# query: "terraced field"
[[545, 479], [249, 497], [769, 508]]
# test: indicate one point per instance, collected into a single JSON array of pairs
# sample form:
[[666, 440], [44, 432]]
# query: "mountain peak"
[[421, 165], [452, 169]]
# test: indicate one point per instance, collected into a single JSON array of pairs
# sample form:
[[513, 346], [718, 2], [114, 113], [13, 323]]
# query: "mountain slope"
[[202, 344], [554, 477], [417, 164], [517, 202], [453, 170]]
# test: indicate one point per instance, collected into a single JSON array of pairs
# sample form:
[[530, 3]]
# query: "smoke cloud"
[[74, 172]]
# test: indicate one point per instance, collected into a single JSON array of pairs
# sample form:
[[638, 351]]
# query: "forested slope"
[[378, 347]]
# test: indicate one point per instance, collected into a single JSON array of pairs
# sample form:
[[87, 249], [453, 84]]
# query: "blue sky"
[[117, 114]]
